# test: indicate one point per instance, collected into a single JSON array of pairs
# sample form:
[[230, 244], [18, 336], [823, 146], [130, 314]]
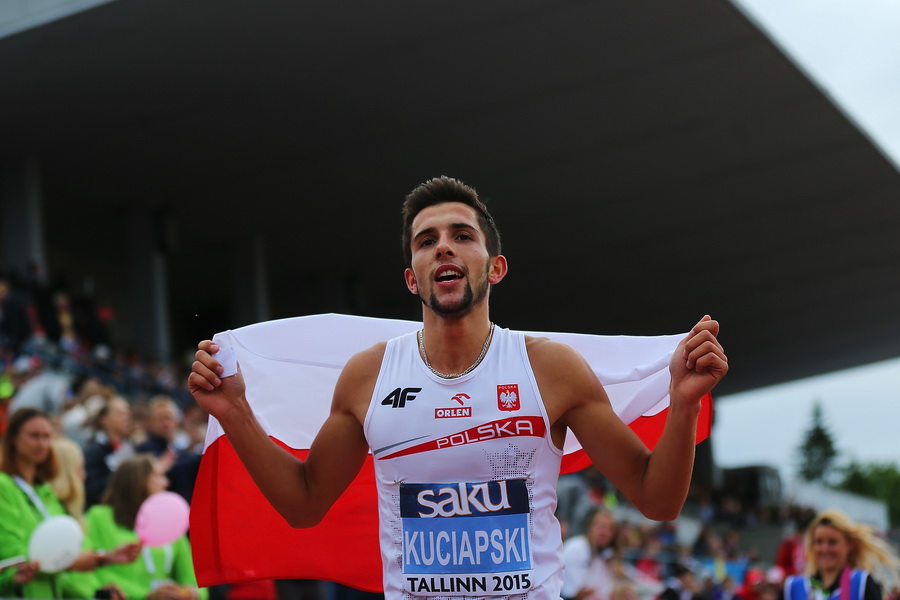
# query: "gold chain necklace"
[[487, 342]]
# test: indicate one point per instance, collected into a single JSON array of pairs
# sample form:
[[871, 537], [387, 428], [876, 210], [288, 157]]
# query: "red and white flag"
[[290, 367]]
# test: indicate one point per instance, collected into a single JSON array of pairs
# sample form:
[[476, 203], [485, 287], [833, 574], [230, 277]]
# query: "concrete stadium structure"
[[206, 164]]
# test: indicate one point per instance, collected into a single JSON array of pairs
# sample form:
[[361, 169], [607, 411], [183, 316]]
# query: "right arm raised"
[[302, 491]]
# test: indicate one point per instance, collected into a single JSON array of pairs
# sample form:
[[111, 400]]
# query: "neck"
[[830, 576], [27, 470], [452, 346]]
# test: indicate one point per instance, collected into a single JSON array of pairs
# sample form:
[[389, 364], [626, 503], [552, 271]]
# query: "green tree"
[[817, 452], [875, 480]]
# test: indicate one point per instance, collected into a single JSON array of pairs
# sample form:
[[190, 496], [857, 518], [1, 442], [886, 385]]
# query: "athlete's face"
[[451, 269], [831, 548]]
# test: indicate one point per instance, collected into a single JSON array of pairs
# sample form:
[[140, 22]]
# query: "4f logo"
[[399, 397], [508, 397]]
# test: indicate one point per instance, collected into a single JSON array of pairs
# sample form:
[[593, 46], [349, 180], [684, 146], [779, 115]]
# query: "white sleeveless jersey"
[[466, 473]]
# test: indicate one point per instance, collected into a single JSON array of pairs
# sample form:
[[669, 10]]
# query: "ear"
[[410, 278], [498, 269]]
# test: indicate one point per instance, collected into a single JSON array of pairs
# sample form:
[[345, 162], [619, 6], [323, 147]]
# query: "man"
[[162, 427], [107, 449], [466, 514]]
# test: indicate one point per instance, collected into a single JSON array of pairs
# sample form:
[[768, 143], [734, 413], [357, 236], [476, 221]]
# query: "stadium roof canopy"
[[648, 161]]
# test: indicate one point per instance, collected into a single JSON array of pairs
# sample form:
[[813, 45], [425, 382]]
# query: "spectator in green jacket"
[[162, 573], [27, 463]]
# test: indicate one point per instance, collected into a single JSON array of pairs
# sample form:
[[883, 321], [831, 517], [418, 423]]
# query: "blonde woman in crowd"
[[27, 465], [842, 557], [69, 481]]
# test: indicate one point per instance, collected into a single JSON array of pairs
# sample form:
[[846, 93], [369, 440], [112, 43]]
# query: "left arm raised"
[[655, 482]]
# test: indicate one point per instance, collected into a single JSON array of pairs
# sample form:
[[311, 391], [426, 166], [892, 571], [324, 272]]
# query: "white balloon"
[[56, 543]]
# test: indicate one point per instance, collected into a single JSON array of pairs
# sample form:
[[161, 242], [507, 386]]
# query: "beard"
[[459, 308]]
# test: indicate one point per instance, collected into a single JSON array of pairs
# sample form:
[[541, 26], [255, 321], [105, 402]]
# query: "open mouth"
[[447, 275]]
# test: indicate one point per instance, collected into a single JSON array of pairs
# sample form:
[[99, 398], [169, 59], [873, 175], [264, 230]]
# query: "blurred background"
[[171, 169]]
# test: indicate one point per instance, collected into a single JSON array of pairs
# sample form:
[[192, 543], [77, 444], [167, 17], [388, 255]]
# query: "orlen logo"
[[399, 397], [508, 397], [455, 412]]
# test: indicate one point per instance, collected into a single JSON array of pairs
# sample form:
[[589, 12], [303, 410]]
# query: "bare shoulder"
[[549, 355], [365, 361], [562, 374], [356, 383]]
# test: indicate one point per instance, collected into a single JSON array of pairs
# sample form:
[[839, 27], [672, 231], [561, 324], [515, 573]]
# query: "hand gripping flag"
[[290, 367]]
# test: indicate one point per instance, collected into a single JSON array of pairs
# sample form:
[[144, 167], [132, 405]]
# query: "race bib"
[[466, 538]]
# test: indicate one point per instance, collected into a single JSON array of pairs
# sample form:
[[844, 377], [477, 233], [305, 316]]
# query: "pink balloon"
[[162, 519]]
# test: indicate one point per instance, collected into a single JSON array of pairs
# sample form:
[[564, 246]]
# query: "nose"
[[443, 247]]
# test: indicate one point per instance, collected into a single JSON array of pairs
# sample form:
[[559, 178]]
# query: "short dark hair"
[[48, 469], [446, 189]]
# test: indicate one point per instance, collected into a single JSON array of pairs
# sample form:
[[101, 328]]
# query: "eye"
[[426, 242], [464, 237]]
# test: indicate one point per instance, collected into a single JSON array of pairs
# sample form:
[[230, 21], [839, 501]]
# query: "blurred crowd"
[[613, 553], [57, 357], [107, 410], [89, 432]]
